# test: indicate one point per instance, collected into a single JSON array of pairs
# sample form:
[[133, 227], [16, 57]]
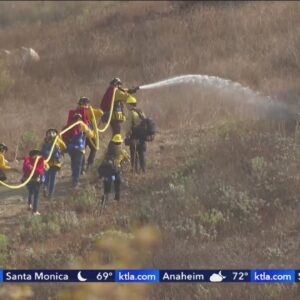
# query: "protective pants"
[[107, 182], [50, 180], [91, 157], [138, 146], [76, 165], [33, 194], [115, 127]]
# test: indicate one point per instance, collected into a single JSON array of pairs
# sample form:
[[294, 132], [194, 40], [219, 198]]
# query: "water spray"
[[269, 104], [205, 80]]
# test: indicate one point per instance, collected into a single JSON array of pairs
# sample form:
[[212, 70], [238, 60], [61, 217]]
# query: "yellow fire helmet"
[[117, 138], [131, 100]]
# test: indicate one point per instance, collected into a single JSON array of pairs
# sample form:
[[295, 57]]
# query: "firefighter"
[[84, 103], [135, 140], [121, 95], [110, 169], [4, 166], [37, 179], [55, 160], [76, 143]]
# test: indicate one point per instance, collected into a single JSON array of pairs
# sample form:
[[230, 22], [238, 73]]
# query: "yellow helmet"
[[131, 100], [117, 138]]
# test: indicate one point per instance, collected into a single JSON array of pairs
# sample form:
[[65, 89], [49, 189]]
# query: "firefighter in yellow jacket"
[[55, 159], [110, 169], [121, 95], [84, 103], [4, 166], [136, 143]]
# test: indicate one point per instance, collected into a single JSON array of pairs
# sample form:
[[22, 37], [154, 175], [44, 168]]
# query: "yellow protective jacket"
[[4, 166], [116, 154], [97, 112], [133, 120], [88, 132], [60, 146], [120, 99]]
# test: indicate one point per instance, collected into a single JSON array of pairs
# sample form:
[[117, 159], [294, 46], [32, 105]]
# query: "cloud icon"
[[216, 277]]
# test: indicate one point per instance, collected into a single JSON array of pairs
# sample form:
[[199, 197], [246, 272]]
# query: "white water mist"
[[271, 106], [219, 83]]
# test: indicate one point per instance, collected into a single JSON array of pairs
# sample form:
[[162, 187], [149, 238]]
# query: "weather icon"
[[217, 277], [80, 278]]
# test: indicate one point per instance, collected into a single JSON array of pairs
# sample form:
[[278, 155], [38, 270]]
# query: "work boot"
[[76, 185], [88, 167]]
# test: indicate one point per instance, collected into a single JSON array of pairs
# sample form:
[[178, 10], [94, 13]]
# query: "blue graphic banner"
[[58, 276], [205, 276], [273, 276], [150, 276], [137, 276]]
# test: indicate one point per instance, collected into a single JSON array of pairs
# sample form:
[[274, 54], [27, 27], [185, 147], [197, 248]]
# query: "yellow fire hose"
[[110, 113], [96, 131]]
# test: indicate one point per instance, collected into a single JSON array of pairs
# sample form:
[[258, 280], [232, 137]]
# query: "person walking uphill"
[[121, 95], [139, 130], [136, 142], [85, 108], [55, 160], [76, 143], [4, 166], [37, 179], [110, 169]]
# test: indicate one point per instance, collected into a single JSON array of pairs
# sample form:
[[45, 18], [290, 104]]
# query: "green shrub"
[[47, 259], [4, 241], [85, 201], [35, 228], [258, 167], [30, 140], [64, 219], [239, 205], [211, 220]]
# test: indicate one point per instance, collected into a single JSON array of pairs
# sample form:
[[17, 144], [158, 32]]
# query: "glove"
[[133, 90]]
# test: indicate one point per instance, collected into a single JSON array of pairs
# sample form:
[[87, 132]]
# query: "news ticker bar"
[[150, 276]]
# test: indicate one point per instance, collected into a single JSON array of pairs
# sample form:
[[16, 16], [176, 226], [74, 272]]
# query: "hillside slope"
[[222, 186]]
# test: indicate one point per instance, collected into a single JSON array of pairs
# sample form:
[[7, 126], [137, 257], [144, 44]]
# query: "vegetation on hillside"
[[222, 186]]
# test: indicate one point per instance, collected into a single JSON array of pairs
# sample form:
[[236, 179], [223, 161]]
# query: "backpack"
[[107, 99], [75, 131], [107, 169], [46, 150], [145, 130], [28, 165], [77, 142]]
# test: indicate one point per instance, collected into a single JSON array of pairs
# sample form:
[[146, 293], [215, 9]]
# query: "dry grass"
[[83, 45], [226, 175]]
